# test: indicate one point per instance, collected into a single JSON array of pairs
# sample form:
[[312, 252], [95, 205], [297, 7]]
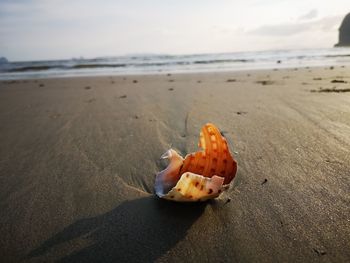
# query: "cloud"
[[309, 15], [278, 30], [287, 29], [37, 29]]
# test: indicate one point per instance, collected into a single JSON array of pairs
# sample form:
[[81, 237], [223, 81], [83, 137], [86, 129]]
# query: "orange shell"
[[215, 159]]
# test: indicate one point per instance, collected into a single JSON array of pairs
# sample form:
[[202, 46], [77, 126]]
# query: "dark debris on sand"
[[319, 252], [10, 82], [332, 90], [122, 97], [338, 81], [223, 133], [265, 82]]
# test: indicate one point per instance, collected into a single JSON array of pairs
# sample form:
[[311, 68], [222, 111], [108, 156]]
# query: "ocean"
[[157, 64]]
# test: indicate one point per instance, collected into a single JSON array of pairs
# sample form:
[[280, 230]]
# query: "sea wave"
[[85, 65], [149, 64]]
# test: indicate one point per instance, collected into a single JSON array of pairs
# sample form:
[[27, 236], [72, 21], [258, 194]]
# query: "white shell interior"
[[188, 187], [194, 187]]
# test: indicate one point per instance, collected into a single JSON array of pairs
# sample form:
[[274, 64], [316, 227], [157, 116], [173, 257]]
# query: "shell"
[[201, 175], [215, 159], [194, 187]]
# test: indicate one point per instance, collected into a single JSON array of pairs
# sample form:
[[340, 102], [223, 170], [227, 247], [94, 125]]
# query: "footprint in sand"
[[55, 115], [91, 100]]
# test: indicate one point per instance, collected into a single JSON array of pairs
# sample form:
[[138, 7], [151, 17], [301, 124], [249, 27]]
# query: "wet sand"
[[78, 158]]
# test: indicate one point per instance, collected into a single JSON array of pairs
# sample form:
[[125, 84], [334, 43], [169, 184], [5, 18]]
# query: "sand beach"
[[78, 158]]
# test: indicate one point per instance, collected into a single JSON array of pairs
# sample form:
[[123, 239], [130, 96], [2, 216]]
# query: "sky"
[[59, 29]]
